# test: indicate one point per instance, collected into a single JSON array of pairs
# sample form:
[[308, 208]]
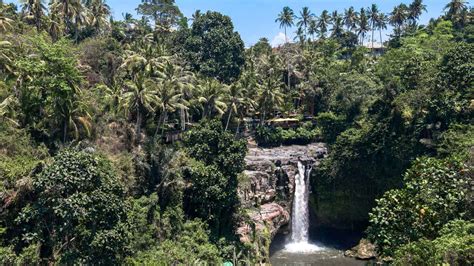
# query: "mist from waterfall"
[[300, 214]]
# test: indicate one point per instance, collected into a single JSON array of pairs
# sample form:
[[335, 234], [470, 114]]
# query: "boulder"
[[363, 251]]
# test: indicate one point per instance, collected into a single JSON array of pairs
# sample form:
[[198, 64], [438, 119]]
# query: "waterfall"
[[300, 214]]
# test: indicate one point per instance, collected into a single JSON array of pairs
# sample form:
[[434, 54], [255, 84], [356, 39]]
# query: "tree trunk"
[[138, 125], [228, 119], [65, 131], [182, 118], [373, 50]]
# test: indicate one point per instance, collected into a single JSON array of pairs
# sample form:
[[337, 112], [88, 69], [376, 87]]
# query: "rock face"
[[363, 251], [267, 189]]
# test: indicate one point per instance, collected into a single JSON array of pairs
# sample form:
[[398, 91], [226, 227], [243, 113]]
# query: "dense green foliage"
[[219, 158], [435, 192], [123, 141], [213, 48], [454, 246]]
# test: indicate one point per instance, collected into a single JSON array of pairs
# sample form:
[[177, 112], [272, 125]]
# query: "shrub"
[[331, 124], [434, 193], [454, 246], [79, 214]]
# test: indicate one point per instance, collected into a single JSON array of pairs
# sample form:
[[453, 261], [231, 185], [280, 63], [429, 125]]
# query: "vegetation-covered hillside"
[[123, 141]]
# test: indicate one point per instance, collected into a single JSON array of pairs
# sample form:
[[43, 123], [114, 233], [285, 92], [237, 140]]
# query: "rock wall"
[[266, 190]]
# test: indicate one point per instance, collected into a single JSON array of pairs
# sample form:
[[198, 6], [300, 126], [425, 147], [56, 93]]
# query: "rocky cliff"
[[266, 190]]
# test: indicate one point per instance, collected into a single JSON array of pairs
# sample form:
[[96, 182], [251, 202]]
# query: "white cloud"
[[278, 40]]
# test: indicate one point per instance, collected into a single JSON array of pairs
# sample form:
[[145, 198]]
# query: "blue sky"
[[254, 19]]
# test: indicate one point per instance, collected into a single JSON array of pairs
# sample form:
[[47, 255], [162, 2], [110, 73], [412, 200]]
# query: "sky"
[[255, 19]]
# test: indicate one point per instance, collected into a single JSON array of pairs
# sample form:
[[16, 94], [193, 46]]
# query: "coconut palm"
[[381, 24], [455, 7], [286, 19], [350, 18], [398, 18], [5, 23], [99, 14], [71, 12], [179, 80], [211, 97], [269, 85], [168, 100], [323, 23], [235, 98], [299, 36], [337, 24], [415, 10], [362, 25], [313, 28], [305, 19], [373, 14], [6, 53], [33, 10], [140, 93]]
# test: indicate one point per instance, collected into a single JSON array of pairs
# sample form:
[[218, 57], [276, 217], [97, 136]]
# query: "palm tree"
[[168, 100], [99, 13], [177, 79], [6, 54], [212, 97], [363, 25], [285, 18], [269, 83], [300, 36], [235, 97], [381, 24], [350, 18], [455, 8], [305, 19], [398, 18], [5, 23], [34, 10], [323, 23], [337, 24], [373, 18], [415, 10], [72, 14], [313, 28], [140, 95]]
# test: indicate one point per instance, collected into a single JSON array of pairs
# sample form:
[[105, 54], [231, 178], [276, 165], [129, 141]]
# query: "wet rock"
[[363, 251], [267, 193]]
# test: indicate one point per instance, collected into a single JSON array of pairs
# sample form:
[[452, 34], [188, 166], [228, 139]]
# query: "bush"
[[276, 136], [454, 246], [269, 136], [435, 192], [79, 214], [332, 125]]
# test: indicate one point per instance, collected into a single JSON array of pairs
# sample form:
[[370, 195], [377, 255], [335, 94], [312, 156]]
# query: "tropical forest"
[[159, 137]]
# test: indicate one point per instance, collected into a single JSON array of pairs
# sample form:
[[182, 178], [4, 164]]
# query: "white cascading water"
[[300, 216]]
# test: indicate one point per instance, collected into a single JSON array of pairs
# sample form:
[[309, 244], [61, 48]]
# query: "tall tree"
[[286, 19], [140, 92], [350, 18], [415, 10], [398, 18], [99, 14], [373, 19], [323, 23], [381, 24], [34, 10], [363, 25], [211, 96], [313, 28], [165, 13], [214, 49], [337, 24], [455, 10], [304, 20]]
